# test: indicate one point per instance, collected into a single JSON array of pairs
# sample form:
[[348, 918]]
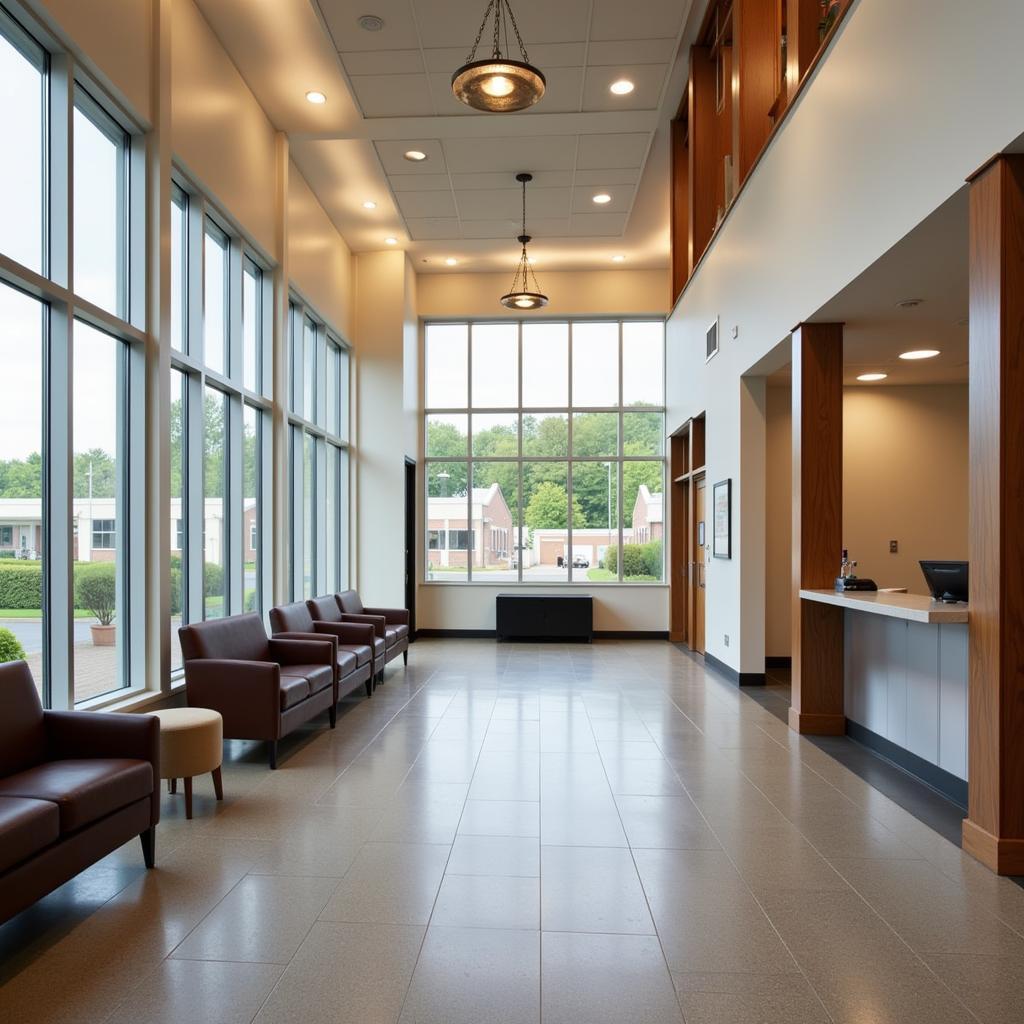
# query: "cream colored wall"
[[597, 293], [905, 464], [220, 133], [114, 40], [778, 521], [319, 262]]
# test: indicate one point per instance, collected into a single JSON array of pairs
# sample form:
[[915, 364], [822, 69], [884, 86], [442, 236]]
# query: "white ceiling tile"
[[506, 228], [608, 179], [342, 18], [648, 81], [427, 229], [546, 153], [392, 156], [625, 149], [652, 19], [429, 204], [542, 179], [419, 182], [383, 62], [456, 22], [596, 224], [630, 51], [393, 95], [445, 60], [485, 204], [583, 199]]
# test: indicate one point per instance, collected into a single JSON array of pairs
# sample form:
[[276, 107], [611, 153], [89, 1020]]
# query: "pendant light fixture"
[[498, 84], [525, 293]]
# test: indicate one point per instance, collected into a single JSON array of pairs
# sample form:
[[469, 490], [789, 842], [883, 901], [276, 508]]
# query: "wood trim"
[[701, 220], [755, 43], [680, 205], [994, 832], [817, 646]]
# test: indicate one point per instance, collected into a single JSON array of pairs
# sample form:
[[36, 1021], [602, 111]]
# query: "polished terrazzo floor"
[[517, 833]]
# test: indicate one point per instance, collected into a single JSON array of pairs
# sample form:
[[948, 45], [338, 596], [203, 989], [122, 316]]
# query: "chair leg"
[[172, 785], [148, 840], [188, 797], [272, 752], [405, 656], [218, 783], [369, 687], [332, 714]]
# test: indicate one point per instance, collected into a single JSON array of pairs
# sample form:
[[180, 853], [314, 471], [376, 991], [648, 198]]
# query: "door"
[[410, 544], [698, 578]]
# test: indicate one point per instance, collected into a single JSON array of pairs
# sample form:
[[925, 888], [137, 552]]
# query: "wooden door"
[[697, 580]]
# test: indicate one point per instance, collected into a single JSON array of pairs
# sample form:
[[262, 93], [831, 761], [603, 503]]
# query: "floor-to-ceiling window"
[[545, 451], [71, 335]]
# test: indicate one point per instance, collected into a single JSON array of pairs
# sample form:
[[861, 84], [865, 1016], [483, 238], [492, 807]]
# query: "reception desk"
[[905, 692]]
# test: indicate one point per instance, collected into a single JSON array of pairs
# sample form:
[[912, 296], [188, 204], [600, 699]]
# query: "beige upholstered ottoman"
[[191, 743]]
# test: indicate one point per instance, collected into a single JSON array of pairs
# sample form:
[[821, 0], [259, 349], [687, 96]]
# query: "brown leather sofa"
[[391, 624], [325, 609], [74, 786], [263, 689], [354, 663]]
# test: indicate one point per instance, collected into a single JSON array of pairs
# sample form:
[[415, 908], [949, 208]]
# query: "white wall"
[[883, 135]]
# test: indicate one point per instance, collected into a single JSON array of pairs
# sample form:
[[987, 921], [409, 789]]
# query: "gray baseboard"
[[735, 677]]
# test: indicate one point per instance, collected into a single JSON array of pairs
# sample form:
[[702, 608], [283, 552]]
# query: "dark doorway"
[[410, 544]]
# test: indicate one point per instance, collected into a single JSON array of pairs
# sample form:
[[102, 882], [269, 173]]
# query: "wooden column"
[[994, 829], [817, 652]]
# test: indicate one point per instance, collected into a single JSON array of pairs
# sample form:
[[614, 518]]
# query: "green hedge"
[[21, 585], [638, 560]]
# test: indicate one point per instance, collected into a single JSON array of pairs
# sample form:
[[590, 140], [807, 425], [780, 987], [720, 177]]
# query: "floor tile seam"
[[228, 960]]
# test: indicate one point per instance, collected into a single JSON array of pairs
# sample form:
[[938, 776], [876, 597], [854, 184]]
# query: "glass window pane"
[[343, 413], [333, 531], [294, 360], [545, 533], [643, 364], [22, 116], [495, 366], [252, 326], [595, 364], [595, 521], [595, 433], [252, 437], [215, 301], [447, 359], [215, 480], [545, 366], [179, 521], [343, 527], [332, 383], [642, 520], [495, 435], [99, 407], [179, 274], [309, 376], [643, 433], [309, 516], [495, 521], [546, 435], [447, 435], [447, 529], [21, 466], [100, 213]]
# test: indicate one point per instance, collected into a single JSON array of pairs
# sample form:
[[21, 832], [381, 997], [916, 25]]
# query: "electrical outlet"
[[894, 547], [735, 331], [726, 639]]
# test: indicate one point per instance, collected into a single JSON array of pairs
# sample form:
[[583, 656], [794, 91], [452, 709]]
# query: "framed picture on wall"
[[721, 503]]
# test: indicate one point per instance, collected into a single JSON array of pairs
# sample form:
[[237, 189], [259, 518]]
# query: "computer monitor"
[[946, 580]]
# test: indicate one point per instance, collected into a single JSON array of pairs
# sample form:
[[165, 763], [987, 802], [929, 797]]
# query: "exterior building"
[[647, 516], [490, 535]]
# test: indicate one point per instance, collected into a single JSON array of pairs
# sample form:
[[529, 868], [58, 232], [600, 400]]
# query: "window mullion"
[[233, 542]]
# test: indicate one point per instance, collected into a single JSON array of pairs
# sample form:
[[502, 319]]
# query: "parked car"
[[579, 562]]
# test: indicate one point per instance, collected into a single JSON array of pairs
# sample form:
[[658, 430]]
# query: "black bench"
[[544, 617]]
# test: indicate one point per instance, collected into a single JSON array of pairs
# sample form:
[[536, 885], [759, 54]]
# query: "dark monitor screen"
[[946, 578]]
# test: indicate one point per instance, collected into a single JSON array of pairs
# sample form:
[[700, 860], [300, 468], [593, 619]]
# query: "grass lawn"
[[36, 613], [601, 575]]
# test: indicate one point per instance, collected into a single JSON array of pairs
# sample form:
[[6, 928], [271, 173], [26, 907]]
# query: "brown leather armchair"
[[354, 647], [396, 623], [263, 689], [74, 786], [325, 609]]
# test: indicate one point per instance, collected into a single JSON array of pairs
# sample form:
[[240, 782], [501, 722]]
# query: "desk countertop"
[[913, 607]]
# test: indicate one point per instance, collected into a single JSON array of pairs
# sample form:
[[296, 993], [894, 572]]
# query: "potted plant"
[[96, 591]]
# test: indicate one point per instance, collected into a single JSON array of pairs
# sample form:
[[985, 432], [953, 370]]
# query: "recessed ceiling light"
[[920, 353], [415, 155], [618, 259], [623, 87], [451, 262], [601, 198], [909, 303], [870, 378], [369, 204], [371, 23], [391, 241], [316, 97]]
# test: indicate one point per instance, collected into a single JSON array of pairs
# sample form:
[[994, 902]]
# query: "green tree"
[[548, 507], [22, 478], [104, 474]]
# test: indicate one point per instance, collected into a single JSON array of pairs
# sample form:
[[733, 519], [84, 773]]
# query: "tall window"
[[215, 299], [179, 560], [179, 268], [545, 452], [252, 470], [215, 492]]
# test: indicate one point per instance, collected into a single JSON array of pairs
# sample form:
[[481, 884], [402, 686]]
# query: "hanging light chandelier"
[[498, 84], [525, 292]]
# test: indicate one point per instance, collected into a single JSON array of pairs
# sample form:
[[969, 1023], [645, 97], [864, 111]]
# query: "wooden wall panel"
[[994, 829], [680, 207], [755, 43], [817, 649], [702, 147]]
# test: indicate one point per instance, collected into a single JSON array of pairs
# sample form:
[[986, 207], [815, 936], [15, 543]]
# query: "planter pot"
[[103, 636]]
